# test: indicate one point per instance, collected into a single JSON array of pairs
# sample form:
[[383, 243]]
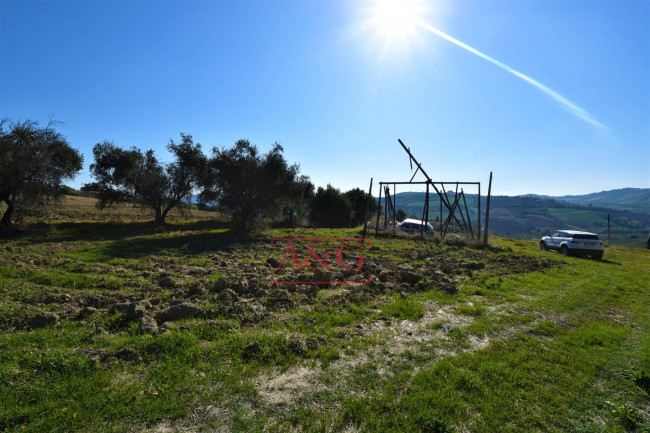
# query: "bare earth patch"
[[398, 336], [285, 387]]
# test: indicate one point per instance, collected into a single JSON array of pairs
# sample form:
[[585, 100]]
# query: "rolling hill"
[[632, 199], [532, 216]]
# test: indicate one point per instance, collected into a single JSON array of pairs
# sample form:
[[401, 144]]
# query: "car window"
[[581, 236], [556, 234]]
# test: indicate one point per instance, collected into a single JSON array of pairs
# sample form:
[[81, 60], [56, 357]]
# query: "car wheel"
[[564, 250], [542, 246], [597, 256]]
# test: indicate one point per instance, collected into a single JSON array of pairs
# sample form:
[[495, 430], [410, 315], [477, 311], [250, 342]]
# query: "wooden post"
[[440, 218], [365, 218], [378, 208], [478, 224], [469, 222], [608, 231], [394, 208], [419, 166], [462, 216], [453, 210], [444, 194], [425, 213], [487, 212], [427, 198], [386, 199]]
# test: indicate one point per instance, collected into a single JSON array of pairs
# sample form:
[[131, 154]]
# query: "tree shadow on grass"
[[140, 239], [183, 244], [97, 231]]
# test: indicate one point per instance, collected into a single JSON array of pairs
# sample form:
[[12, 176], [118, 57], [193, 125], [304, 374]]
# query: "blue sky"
[[336, 95]]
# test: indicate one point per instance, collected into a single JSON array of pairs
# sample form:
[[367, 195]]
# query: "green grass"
[[404, 309], [520, 347]]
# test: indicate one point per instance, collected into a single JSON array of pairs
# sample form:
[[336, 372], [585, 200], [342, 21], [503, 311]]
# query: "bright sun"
[[396, 18]]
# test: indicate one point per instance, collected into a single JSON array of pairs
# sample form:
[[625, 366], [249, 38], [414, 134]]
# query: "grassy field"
[[76, 209], [179, 329]]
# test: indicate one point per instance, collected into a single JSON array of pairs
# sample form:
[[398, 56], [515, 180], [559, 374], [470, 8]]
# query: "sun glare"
[[396, 18]]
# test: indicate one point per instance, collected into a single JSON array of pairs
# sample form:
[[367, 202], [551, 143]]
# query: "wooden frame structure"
[[454, 208]]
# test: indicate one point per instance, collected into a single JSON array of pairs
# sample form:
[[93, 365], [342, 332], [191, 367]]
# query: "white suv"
[[411, 225], [574, 242]]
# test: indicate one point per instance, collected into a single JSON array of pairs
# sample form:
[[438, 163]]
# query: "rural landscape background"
[[533, 216], [188, 238], [113, 323]]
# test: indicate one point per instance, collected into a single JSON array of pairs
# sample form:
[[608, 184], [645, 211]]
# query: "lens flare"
[[568, 105], [398, 22]]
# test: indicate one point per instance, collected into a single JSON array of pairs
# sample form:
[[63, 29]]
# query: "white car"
[[410, 225], [574, 242]]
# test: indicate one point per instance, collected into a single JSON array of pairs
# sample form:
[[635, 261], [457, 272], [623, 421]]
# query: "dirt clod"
[[219, 285], [148, 325], [43, 319], [86, 312], [181, 311], [131, 310]]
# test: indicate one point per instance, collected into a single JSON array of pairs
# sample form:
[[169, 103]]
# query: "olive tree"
[[330, 208], [249, 184], [131, 175], [359, 200], [34, 161], [298, 197]]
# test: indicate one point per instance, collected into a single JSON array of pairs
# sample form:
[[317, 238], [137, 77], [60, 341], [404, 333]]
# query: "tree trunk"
[[6, 218], [160, 217], [164, 214]]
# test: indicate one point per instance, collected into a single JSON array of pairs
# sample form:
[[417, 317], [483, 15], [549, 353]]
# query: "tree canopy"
[[129, 174], [358, 200], [249, 184], [330, 208], [34, 161], [298, 197]]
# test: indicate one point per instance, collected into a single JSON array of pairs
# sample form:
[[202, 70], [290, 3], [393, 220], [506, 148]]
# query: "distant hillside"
[[632, 199], [530, 217]]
